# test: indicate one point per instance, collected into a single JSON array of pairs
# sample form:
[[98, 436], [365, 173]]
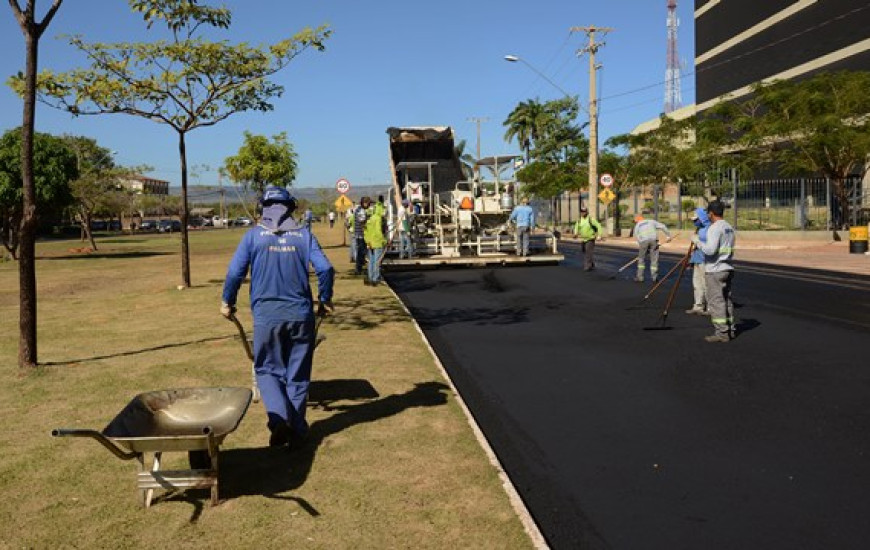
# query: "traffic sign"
[[606, 196], [606, 180], [343, 203], [342, 186]]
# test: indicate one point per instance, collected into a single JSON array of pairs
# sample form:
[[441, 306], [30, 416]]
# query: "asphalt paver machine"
[[457, 219]]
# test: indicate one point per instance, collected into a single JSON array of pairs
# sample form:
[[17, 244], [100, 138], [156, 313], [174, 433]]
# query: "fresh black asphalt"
[[620, 430]]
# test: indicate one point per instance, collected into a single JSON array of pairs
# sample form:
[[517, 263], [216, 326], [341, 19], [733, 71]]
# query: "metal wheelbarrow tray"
[[195, 420]]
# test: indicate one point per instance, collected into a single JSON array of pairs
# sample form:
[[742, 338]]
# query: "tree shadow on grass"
[[367, 313], [106, 255], [135, 352], [271, 471], [122, 241]]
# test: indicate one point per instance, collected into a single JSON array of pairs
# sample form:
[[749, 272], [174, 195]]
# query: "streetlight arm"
[[515, 59]]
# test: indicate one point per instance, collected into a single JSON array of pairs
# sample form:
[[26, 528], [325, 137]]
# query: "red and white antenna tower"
[[673, 97]]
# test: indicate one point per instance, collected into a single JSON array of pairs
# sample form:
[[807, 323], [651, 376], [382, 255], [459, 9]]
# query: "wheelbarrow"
[[195, 420]]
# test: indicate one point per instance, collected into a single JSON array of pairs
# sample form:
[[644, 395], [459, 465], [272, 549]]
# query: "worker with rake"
[[646, 233]]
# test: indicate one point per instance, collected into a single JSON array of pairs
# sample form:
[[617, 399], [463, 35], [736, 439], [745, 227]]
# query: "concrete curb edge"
[[514, 497]]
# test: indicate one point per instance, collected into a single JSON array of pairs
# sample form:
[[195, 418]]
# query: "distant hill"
[[211, 194]]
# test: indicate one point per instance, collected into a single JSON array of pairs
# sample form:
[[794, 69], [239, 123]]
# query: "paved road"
[[617, 436]]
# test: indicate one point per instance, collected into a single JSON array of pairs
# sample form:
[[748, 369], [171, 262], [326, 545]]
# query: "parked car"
[[195, 223], [243, 221], [148, 225], [169, 226]]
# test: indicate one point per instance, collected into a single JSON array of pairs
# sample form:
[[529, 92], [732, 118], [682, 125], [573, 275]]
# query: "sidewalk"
[[811, 254]]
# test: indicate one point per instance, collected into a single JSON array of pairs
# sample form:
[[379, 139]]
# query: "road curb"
[[519, 506]]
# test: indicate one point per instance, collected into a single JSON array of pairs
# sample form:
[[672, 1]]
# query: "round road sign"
[[606, 180], [342, 186]]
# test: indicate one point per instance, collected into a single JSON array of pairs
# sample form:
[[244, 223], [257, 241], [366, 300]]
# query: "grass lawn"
[[392, 461]]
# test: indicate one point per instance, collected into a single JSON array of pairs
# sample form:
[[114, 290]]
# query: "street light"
[[592, 159], [518, 59]]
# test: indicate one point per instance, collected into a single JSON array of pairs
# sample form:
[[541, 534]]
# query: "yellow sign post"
[[342, 203], [606, 196]]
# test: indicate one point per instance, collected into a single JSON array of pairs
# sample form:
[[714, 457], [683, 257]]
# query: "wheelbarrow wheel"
[[199, 460]]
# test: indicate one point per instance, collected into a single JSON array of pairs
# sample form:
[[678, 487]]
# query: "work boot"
[[297, 441], [638, 279], [715, 338], [695, 311], [280, 435]]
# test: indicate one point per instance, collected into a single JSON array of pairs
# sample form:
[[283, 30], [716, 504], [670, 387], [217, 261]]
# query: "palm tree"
[[525, 123], [466, 160]]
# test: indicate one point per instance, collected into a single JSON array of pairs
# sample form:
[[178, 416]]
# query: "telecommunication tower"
[[673, 97]]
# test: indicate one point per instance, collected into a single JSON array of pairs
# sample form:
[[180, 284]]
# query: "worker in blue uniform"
[[523, 216], [278, 252]]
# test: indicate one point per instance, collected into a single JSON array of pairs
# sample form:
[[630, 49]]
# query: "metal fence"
[[805, 204]]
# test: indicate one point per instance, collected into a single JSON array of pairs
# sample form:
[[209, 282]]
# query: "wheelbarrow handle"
[[94, 434], [243, 336]]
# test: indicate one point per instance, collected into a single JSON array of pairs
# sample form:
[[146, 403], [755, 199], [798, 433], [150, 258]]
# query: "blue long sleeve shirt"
[[523, 215], [278, 261], [702, 223]]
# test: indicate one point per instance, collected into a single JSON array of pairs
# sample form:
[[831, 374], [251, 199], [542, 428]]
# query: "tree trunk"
[[841, 216], [86, 228], [185, 251], [27, 230]]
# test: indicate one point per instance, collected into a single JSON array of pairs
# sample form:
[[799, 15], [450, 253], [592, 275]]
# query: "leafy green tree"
[[559, 138], [261, 163], [553, 142], [818, 125], [53, 169], [185, 82], [33, 31], [96, 188]]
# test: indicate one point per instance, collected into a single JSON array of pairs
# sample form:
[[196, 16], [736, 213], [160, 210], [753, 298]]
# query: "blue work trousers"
[[523, 233], [405, 248], [283, 353], [375, 264]]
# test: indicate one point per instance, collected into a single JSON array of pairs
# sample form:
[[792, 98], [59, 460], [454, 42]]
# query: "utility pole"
[[592, 48], [478, 120], [221, 185]]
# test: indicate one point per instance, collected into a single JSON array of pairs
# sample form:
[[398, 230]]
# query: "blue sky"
[[388, 63]]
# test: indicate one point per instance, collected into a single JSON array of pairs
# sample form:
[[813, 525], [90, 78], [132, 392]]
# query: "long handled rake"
[[682, 267]]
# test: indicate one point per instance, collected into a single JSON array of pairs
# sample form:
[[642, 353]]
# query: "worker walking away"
[[523, 216], [587, 229], [331, 217], [719, 272], [699, 288], [646, 233], [278, 253]]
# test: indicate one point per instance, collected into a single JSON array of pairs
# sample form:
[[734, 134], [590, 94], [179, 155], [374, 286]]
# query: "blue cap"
[[277, 194]]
